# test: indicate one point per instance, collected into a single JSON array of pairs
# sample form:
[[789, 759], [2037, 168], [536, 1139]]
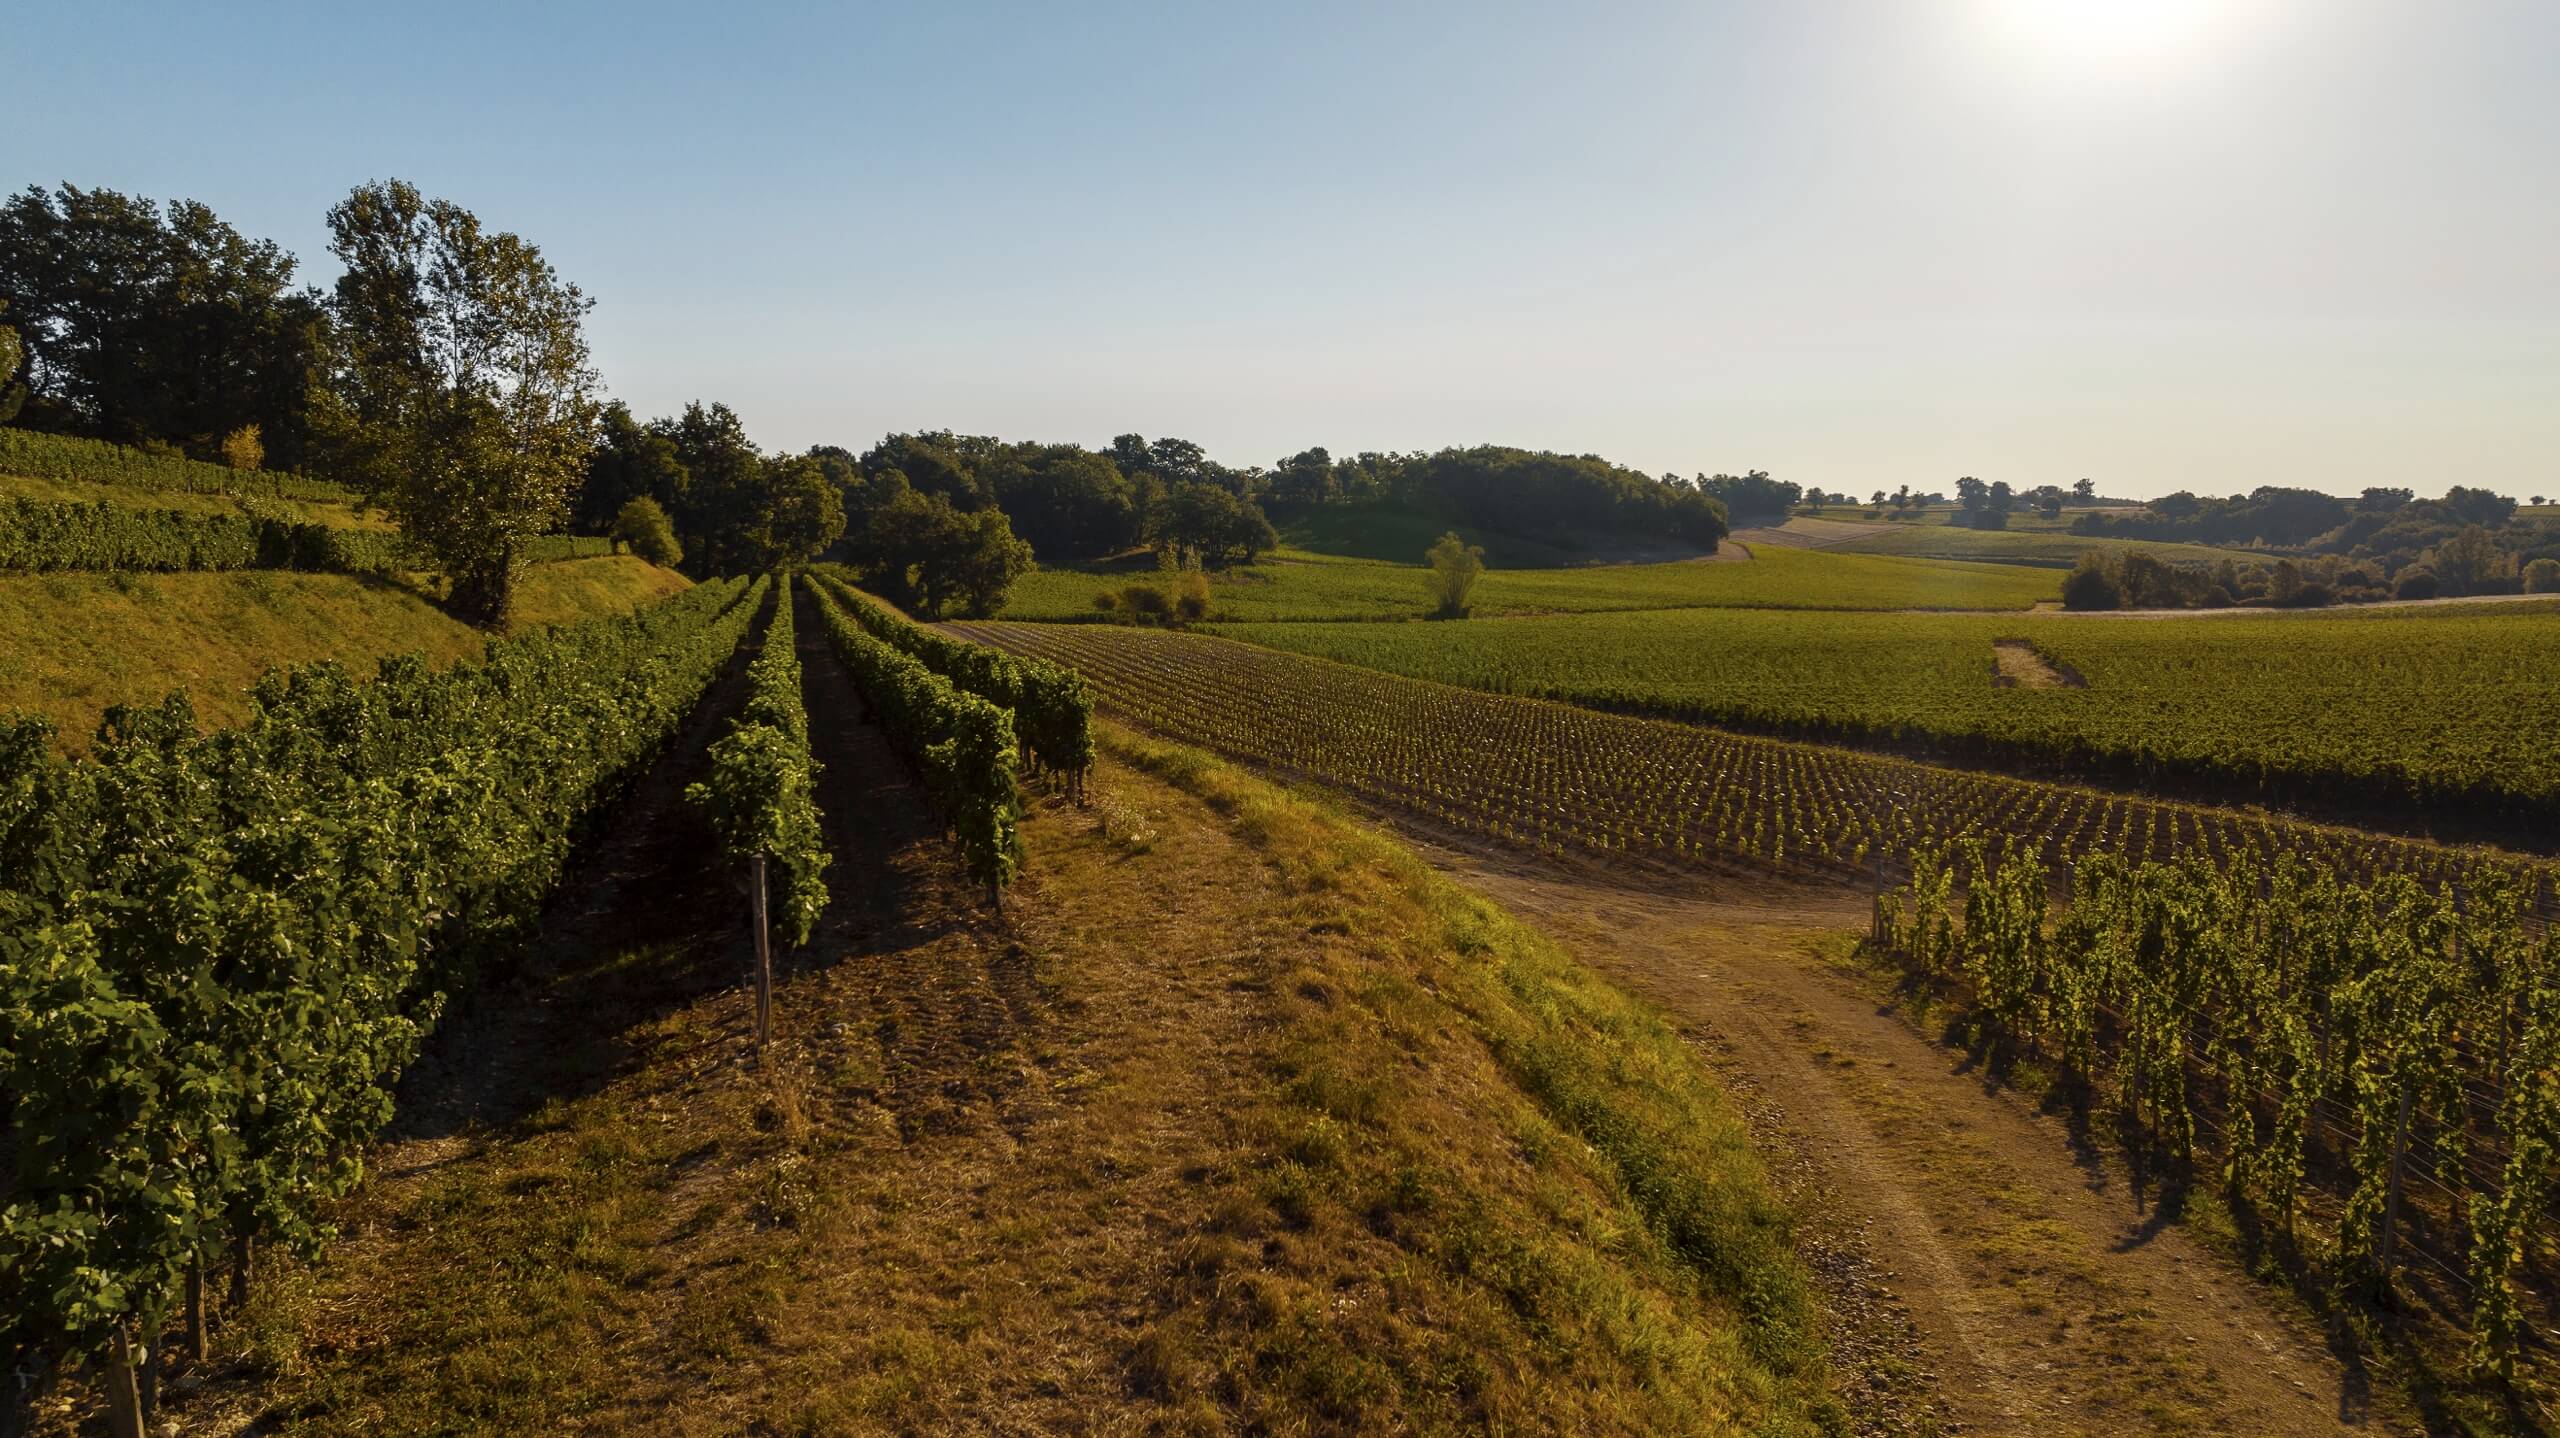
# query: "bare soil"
[[2017, 665]]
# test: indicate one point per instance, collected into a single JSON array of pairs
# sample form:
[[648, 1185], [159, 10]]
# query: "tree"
[[2471, 562], [243, 449], [1455, 567], [2090, 586], [2084, 489], [803, 513], [2542, 577], [2002, 499], [148, 325], [630, 461], [1970, 493], [643, 525], [1878, 501], [2483, 507], [13, 357], [722, 509], [464, 402], [2383, 500], [920, 553]]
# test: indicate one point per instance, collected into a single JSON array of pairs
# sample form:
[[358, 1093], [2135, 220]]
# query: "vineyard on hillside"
[[222, 949], [2456, 712], [1299, 586], [1553, 778]]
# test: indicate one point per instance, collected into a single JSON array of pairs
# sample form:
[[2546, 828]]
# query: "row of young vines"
[[218, 951], [1052, 704], [2276, 1027], [1555, 779], [961, 746], [761, 797], [48, 536]]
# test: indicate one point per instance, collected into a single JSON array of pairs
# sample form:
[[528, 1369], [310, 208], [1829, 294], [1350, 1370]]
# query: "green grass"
[[1397, 535], [2435, 706], [1296, 585], [77, 643], [2032, 542]]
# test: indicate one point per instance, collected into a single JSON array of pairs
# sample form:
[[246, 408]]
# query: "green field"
[[2442, 707], [1297, 585], [2046, 544]]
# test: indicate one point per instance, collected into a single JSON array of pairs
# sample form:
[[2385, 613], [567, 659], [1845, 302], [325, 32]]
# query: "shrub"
[[2416, 582], [652, 536], [1145, 603], [244, 449], [1106, 601], [2089, 586], [2542, 577], [1455, 567], [1191, 597], [2311, 594]]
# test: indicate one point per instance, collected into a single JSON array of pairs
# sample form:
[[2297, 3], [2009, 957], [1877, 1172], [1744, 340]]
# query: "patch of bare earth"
[[2018, 664]]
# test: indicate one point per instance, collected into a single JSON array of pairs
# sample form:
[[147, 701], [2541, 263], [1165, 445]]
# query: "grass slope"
[[78, 643], [1243, 1121], [1301, 586], [2458, 700]]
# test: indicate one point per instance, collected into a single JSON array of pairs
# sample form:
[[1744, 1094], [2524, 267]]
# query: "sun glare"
[[2106, 32]]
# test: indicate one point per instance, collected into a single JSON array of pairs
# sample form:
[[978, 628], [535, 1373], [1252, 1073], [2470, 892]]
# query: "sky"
[[2165, 244]]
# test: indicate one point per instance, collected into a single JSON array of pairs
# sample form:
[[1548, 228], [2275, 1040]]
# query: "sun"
[[2106, 32]]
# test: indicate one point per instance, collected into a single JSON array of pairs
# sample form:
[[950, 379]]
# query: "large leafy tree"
[[630, 461], [150, 325], [464, 400]]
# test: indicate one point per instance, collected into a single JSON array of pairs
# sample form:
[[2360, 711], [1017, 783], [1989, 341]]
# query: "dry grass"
[[78, 643], [1248, 1124]]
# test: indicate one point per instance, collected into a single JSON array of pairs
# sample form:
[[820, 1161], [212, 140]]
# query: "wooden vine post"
[[2391, 1189], [764, 957]]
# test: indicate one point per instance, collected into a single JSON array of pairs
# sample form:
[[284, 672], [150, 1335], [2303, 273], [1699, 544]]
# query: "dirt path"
[[2050, 1296], [2020, 666]]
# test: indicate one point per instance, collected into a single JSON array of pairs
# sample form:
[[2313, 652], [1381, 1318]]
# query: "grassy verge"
[[78, 643]]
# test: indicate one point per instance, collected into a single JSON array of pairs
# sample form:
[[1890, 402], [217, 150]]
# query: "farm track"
[[2044, 1291], [2050, 1294]]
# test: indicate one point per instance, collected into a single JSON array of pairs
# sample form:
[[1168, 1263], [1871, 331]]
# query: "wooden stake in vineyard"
[[764, 956]]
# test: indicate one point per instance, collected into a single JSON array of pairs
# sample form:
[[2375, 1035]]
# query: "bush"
[[2416, 582], [652, 536], [2542, 577], [1987, 518], [2089, 586], [2311, 594], [1455, 567], [1145, 603], [244, 449], [1191, 597], [1107, 602]]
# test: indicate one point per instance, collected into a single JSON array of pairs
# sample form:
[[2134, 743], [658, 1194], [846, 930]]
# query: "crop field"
[[2029, 540], [2432, 707], [1555, 778], [1297, 585]]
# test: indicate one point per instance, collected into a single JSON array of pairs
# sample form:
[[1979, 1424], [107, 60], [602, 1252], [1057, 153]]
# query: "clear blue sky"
[[2165, 243]]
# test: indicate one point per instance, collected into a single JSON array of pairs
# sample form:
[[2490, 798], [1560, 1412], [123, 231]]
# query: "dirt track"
[[2050, 1296]]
